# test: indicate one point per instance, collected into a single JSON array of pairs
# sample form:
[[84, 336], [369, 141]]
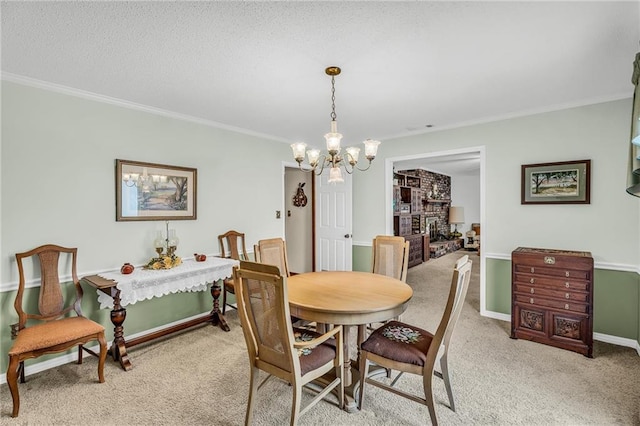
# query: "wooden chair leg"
[[224, 298], [80, 349], [12, 381], [444, 367], [364, 372], [102, 358], [427, 382], [295, 406], [253, 385]]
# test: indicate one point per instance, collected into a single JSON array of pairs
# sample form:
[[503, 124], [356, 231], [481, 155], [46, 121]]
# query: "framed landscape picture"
[[147, 191], [567, 182]]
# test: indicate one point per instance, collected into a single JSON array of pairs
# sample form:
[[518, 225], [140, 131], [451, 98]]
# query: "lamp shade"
[[456, 214]]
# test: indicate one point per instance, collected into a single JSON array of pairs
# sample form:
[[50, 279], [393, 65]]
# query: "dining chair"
[[231, 242], [55, 330], [273, 251], [297, 356], [406, 348], [390, 257]]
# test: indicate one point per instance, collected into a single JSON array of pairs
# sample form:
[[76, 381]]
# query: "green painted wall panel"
[[615, 303], [498, 285], [361, 258]]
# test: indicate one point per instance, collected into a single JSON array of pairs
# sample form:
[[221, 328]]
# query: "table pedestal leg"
[[118, 347], [216, 316]]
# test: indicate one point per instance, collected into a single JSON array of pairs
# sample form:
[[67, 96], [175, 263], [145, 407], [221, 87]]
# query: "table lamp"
[[456, 216]]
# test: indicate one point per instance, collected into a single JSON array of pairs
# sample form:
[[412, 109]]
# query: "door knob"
[[347, 235]]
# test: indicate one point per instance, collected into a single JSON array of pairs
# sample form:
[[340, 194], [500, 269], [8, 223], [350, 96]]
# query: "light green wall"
[[57, 176], [60, 151], [599, 132]]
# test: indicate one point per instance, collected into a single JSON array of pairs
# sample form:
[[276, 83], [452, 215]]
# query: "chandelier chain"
[[333, 98]]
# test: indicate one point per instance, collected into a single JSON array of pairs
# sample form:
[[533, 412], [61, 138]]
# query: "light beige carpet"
[[200, 377]]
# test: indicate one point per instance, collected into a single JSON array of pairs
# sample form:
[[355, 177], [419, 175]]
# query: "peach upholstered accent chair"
[[403, 347], [231, 242], [56, 330], [297, 356]]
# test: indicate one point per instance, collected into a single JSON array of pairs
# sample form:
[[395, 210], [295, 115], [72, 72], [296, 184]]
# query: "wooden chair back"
[[51, 303], [390, 257], [457, 294], [264, 313], [273, 251], [232, 245], [263, 307]]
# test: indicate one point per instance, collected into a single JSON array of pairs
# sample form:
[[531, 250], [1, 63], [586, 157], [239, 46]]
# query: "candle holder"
[[166, 251]]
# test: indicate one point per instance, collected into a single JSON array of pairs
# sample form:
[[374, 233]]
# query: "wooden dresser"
[[552, 298]]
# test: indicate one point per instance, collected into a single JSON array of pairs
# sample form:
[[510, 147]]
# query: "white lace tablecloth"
[[144, 284]]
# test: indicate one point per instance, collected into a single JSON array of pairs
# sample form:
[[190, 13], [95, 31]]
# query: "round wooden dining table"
[[347, 298]]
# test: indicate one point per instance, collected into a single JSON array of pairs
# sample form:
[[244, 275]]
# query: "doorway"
[[299, 209], [467, 168]]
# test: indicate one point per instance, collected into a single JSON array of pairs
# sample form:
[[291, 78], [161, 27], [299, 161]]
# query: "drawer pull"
[[566, 296], [532, 280], [566, 284], [566, 273], [531, 300], [533, 270], [566, 306], [550, 260], [533, 291]]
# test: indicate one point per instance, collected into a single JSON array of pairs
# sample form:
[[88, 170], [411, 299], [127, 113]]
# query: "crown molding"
[[65, 90]]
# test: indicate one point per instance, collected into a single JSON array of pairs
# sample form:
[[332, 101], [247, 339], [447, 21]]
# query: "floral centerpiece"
[[166, 251], [163, 262]]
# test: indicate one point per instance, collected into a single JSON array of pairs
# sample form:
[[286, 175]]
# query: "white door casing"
[[333, 224]]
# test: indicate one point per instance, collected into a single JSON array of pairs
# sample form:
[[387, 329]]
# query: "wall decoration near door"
[[147, 191], [299, 199], [567, 182]]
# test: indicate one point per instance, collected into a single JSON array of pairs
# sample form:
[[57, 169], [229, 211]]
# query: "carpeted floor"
[[200, 377]]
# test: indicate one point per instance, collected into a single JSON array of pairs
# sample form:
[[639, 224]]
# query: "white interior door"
[[333, 224]]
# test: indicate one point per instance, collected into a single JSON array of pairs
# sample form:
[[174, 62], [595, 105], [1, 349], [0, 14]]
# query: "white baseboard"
[[496, 315], [72, 357], [606, 338]]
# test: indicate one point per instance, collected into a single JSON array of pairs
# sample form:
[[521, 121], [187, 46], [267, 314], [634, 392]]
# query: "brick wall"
[[439, 211]]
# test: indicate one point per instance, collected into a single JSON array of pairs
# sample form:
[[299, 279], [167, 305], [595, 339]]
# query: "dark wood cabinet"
[[402, 224], [552, 298], [426, 250], [415, 249]]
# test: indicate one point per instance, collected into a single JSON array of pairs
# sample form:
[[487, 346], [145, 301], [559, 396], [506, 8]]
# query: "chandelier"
[[333, 159]]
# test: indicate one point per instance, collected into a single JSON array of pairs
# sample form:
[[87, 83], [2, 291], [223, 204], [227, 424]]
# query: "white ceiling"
[[259, 66]]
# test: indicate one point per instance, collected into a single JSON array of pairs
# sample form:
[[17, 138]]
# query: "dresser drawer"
[[578, 261], [552, 303], [574, 296], [551, 272], [556, 283]]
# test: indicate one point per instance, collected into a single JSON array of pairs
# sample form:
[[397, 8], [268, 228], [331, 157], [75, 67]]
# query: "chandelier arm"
[[365, 169]]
